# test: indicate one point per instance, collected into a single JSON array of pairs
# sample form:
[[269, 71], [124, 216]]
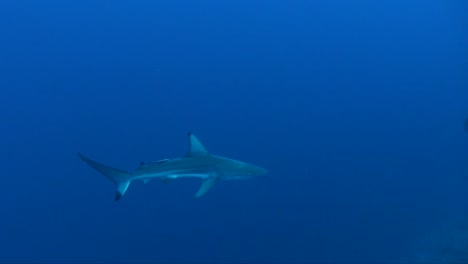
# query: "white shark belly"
[[187, 175], [176, 175]]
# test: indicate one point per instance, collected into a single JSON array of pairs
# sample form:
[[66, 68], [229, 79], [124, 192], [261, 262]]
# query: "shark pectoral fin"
[[206, 186]]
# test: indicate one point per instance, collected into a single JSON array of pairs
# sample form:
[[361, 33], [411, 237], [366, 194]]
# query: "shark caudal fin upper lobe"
[[121, 178]]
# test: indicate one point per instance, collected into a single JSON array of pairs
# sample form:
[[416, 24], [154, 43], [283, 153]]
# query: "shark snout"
[[258, 171]]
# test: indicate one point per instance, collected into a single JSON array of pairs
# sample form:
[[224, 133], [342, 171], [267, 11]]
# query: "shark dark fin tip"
[[82, 157], [117, 196]]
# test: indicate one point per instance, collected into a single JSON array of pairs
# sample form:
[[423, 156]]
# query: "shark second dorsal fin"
[[196, 148]]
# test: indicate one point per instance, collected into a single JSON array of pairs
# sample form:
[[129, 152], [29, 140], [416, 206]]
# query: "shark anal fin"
[[166, 180], [207, 185], [146, 180]]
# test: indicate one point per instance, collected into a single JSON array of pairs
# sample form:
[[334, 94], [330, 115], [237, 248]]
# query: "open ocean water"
[[356, 108]]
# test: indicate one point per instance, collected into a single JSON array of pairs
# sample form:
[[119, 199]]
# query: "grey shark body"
[[196, 163]]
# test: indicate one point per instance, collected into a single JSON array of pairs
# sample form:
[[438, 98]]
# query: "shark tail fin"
[[121, 179]]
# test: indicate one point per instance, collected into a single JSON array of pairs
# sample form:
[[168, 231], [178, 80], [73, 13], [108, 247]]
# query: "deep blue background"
[[355, 107]]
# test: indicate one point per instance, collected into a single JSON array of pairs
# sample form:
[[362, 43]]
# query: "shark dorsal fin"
[[196, 148]]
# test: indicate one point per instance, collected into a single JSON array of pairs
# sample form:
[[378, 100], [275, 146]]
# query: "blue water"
[[356, 108]]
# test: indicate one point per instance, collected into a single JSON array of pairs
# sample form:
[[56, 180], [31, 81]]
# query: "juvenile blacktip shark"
[[196, 163]]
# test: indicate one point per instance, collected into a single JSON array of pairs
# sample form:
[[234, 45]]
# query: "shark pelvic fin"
[[196, 148], [207, 185], [166, 180]]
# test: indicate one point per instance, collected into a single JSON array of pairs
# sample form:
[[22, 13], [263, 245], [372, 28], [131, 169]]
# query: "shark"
[[196, 163]]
